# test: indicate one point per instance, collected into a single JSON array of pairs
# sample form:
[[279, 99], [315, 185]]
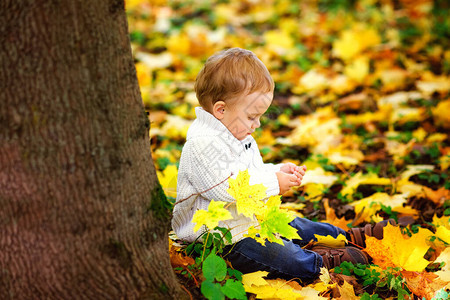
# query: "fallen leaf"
[[444, 273], [177, 258], [396, 250], [347, 292], [334, 242], [370, 178], [332, 218], [437, 196], [423, 284]]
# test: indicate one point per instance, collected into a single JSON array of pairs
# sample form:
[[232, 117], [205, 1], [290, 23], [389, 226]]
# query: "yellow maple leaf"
[[369, 178], [396, 250], [255, 278], [215, 213], [366, 208], [334, 242], [248, 197], [276, 288], [347, 292], [168, 180]]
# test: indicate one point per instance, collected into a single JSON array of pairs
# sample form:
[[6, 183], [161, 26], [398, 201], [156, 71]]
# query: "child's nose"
[[256, 123]]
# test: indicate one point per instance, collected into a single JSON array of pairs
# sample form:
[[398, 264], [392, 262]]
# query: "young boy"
[[235, 89]]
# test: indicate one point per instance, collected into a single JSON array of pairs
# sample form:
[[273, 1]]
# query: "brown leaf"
[[439, 196], [332, 218], [423, 284]]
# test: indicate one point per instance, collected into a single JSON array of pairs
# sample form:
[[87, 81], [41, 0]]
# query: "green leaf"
[[234, 289], [212, 290], [214, 267], [226, 232], [235, 273], [358, 272]]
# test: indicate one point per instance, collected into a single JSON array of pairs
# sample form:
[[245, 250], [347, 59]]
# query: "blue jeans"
[[288, 261]]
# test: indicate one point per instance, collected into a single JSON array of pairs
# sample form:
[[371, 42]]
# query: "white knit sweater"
[[211, 154]]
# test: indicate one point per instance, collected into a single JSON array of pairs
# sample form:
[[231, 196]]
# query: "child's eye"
[[251, 118]]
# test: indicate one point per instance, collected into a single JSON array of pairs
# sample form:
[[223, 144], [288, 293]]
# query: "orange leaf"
[[423, 284], [332, 218], [396, 250], [439, 196], [177, 259]]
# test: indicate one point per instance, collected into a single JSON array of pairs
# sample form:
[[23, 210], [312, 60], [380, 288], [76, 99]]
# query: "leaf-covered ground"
[[362, 98]]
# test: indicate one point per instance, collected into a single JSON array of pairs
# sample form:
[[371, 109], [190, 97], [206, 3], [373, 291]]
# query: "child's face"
[[242, 116]]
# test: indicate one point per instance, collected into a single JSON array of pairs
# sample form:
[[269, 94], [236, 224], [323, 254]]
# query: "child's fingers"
[[302, 170], [295, 180]]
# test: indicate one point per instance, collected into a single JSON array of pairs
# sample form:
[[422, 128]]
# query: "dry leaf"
[[332, 218], [396, 250], [423, 284], [347, 292]]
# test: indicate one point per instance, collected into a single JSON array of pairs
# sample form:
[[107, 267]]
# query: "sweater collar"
[[207, 125]]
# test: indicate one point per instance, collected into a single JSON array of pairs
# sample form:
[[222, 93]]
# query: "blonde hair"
[[230, 73]]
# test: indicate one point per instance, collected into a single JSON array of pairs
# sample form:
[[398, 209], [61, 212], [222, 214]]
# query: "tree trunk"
[[82, 214]]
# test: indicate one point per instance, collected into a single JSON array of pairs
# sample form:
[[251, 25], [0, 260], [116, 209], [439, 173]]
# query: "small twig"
[[190, 295], [193, 277], [198, 194], [341, 168], [355, 245]]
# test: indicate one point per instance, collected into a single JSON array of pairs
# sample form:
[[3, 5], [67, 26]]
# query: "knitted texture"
[[210, 156]]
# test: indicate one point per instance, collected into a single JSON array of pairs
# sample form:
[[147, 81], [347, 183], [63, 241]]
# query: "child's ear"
[[219, 110]]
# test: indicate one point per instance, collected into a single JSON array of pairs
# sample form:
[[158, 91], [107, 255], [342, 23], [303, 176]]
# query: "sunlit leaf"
[[168, 180], [396, 250], [347, 292], [248, 197], [358, 179], [330, 241], [211, 217]]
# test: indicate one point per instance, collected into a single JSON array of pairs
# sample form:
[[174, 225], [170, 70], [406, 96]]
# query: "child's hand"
[[291, 168], [286, 181]]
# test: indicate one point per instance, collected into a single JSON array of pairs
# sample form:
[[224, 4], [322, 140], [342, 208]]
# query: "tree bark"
[[82, 214]]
